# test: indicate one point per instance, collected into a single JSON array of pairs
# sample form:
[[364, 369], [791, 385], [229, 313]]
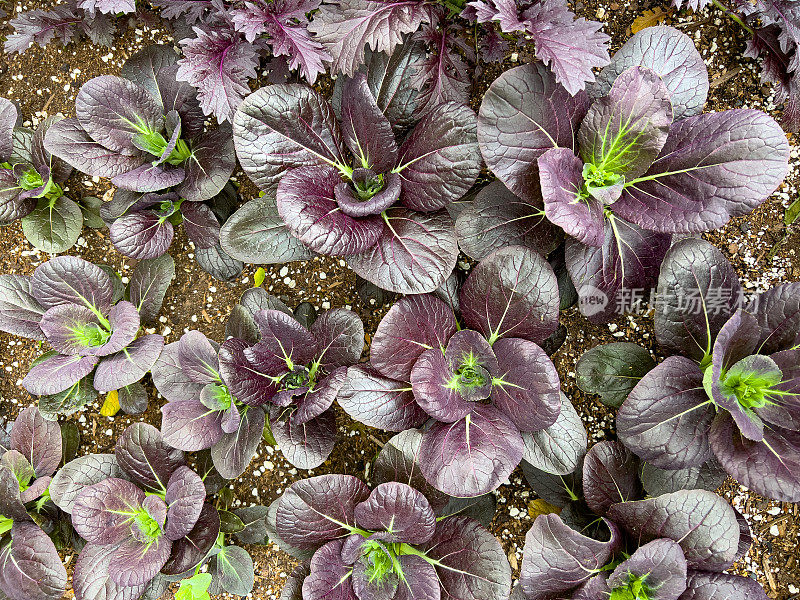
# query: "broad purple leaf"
[[473, 456], [246, 383], [8, 120], [347, 27], [778, 314], [412, 325], [284, 341], [150, 178], [440, 160], [38, 440], [148, 285], [20, 313], [709, 476], [305, 445], [339, 335], [673, 56], [351, 204], [398, 512], [698, 291], [57, 374], [170, 379], [135, 563], [282, 127], [108, 6], [433, 388], [91, 579], [703, 523], [11, 504], [320, 398], [365, 129], [329, 578], [143, 68], [71, 280], [513, 292], [129, 365], [103, 513], [703, 585], [660, 564], [141, 235], [713, 167], [146, 458], [234, 451], [610, 475], [185, 496], [61, 322], [414, 255], [80, 473], [210, 165], [421, 580], [198, 358], [307, 204], [380, 402], [182, 98], [559, 448], [30, 567], [313, 511], [190, 551], [42, 159], [524, 113]]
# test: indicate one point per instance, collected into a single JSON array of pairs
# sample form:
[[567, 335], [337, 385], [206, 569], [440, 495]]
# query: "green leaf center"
[[635, 589], [147, 525]]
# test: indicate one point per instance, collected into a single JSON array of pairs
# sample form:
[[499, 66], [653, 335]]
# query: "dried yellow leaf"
[[541, 507], [648, 18], [111, 405]]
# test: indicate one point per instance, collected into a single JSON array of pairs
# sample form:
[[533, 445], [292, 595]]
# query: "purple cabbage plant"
[[347, 187], [145, 131], [727, 390], [483, 391], [390, 543], [620, 167], [272, 374], [607, 540], [30, 567], [93, 323], [142, 512]]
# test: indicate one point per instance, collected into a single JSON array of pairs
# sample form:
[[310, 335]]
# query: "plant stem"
[[733, 16]]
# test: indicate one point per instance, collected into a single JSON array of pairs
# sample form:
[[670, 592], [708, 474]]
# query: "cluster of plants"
[[594, 176]]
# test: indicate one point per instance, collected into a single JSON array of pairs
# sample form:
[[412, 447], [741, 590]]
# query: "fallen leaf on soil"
[[648, 18], [541, 507]]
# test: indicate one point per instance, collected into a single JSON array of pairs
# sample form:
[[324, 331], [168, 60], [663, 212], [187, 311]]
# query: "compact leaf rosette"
[[30, 567], [730, 390], [142, 512], [270, 371], [78, 308], [349, 187], [610, 542], [619, 169], [483, 388]]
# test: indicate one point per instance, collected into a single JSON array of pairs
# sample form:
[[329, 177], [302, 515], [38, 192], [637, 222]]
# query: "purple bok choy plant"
[[620, 168], [30, 567], [607, 540], [93, 324], [142, 512], [349, 187], [728, 389], [482, 389], [145, 131], [271, 375]]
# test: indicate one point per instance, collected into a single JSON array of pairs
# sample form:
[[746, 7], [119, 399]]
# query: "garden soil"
[[762, 246]]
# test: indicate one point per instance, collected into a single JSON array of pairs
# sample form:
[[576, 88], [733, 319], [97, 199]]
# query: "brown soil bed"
[[763, 249]]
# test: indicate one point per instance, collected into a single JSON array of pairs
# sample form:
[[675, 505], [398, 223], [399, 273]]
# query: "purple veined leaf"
[[579, 215], [346, 29], [36, 490], [497, 218], [133, 399], [8, 120], [170, 379], [143, 67], [307, 204], [148, 285], [256, 234], [768, 467], [784, 413], [473, 456], [413, 325], [559, 448], [667, 416], [181, 97], [218, 263], [339, 335], [30, 567], [19, 466], [80, 473], [60, 24], [71, 280], [69, 327], [125, 202], [364, 586], [69, 142], [398, 512], [38, 440], [315, 510], [190, 551], [57, 374], [703, 585], [210, 165], [469, 561], [270, 523], [439, 161], [103, 513], [136, 563], [698, 291], [185, 496], [624, 131], [245, 383], [558, 559], [329, 577], [380, 402], [282, 127], [293, 588], [234, 451], [20, 312], [42, 160], [129, 365], [421, 579], [524, 113], [660, 564], [610, 475], [107, 6], [351, 204], [305, 445], [699, 182], [112, 110], [150, 178], [198, 358], [434, 391], [526, 387], [673, 57], [778, 314], [12, 204], [596, 587], [146, 458], [704, 524], [414, 255], [320, 398], [284, 342], [11, 505], [365, 129], [613, 370], [708, 476], [92, 581], [626, 264], [513, 292]]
